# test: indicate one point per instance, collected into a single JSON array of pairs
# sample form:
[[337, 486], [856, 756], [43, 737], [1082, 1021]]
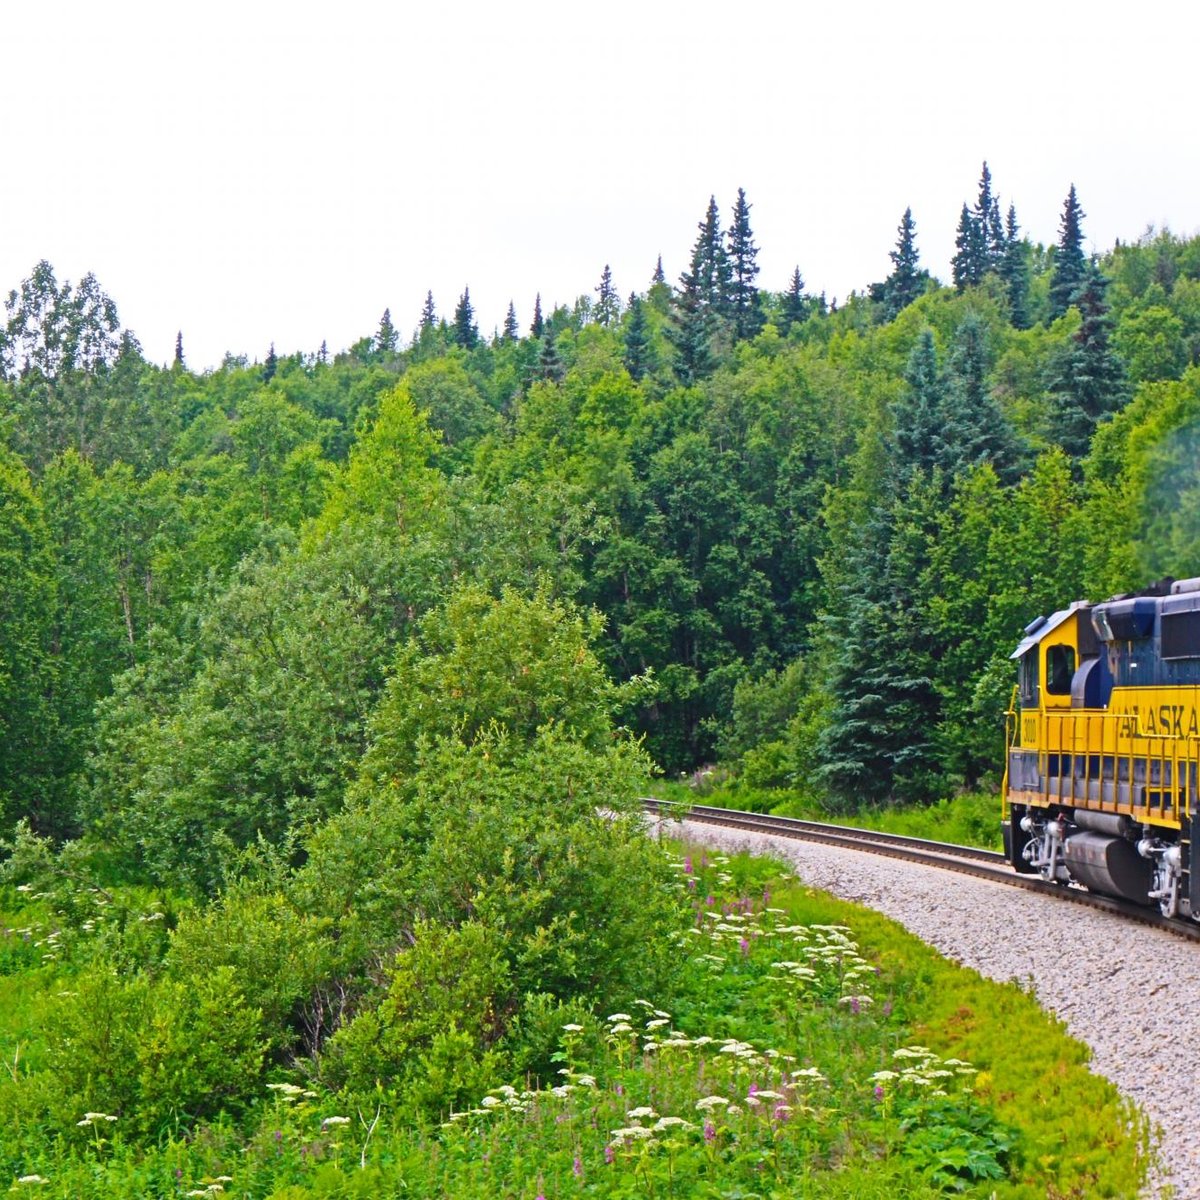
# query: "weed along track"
[[1093, 962], [966, 860]]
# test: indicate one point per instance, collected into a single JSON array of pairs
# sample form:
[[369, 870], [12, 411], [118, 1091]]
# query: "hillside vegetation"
[[333, 675]]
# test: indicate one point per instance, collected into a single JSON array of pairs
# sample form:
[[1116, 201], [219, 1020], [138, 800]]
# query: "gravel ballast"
[[1129, 992]]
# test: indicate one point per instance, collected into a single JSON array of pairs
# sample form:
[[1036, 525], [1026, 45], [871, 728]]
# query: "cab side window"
[[1060, 667], [1029, 678]]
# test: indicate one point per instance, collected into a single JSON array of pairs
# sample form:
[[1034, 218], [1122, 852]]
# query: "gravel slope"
[[1130, 993]]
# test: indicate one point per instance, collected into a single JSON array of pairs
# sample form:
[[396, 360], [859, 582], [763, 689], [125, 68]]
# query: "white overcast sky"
[[256, 172]]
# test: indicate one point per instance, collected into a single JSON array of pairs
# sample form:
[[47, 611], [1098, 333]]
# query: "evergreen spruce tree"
[[1014, 270], [608, 303], [179, 349], [428, 314], [969, 263], [511, 329], [465, 332], [743, 299], [988, 226], [974, 430], [386, 339], [795, 307], [918, 414], [691, 328], [538, 326], [1070, 263], [270, 366], [637, 340], [323, 353], [906, 283], [1089, 385], [711, 269], [550, 365], [658, 276]]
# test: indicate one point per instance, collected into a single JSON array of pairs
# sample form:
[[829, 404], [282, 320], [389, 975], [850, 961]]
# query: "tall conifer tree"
[[537, 326], [386, 339], [511, 329], [465, 332], [795, 307], [1070, 263], [608, 303], [1090, 384], [907, 281], [1014, 270], [743, 299], [637, 340], [428, 313], [179, 349]]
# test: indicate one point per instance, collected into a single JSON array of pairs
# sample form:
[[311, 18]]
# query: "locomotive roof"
[[1049, 625]]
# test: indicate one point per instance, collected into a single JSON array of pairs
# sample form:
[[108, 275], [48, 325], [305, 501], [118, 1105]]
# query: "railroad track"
[[966, 860]]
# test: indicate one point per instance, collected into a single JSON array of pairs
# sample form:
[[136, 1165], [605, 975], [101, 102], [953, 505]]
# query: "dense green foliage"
[[328, 677], [734, 480]]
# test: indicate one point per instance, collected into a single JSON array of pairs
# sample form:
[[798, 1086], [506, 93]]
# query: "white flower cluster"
[[923, 1069]]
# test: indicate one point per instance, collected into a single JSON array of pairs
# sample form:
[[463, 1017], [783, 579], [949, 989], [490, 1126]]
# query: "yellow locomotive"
[[1103, 743]]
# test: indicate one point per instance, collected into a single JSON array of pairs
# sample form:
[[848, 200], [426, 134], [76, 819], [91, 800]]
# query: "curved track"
[[967, 860]]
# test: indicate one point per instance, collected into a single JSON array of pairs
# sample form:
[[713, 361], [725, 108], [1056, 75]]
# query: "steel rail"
[[966, 860]]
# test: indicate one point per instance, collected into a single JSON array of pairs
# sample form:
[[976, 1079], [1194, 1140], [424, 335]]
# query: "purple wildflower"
[[781, 1112], [577, 1168], [710, 1132], [753, 1089], [766, 895], [854, 1004], [879, 1091], [608, 1154], [691, 885], [687, 865], [710, 901], [745, 947], [887, 1008]]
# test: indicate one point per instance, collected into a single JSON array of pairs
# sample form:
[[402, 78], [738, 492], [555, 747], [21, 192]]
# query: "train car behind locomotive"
[[1103, 744]]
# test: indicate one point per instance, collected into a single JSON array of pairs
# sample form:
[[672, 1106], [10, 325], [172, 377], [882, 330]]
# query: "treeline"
[[813, 531]]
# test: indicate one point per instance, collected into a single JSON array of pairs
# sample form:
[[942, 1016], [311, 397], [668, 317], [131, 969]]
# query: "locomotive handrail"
[[1112, 748]]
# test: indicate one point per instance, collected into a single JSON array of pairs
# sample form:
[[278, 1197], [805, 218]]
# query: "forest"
[[810, 536], [299, 653]]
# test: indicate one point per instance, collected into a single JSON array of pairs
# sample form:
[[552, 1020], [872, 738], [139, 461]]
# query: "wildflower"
[[334, 1121], [289, 1091], [572, 1029], [734, 1111], [744, 946], [782, 1112], [489, 1102], [687, 865], [671, 1123], [807, 1072], [588, 1081], [766, 1094], [637, 1114], [608, 1154], [706, 1103], [577, 1168], [620, 1017], [658, 1023], [32, 1179], [621, 1027], [879, 1091], [710, 1132], [883, 1076]]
